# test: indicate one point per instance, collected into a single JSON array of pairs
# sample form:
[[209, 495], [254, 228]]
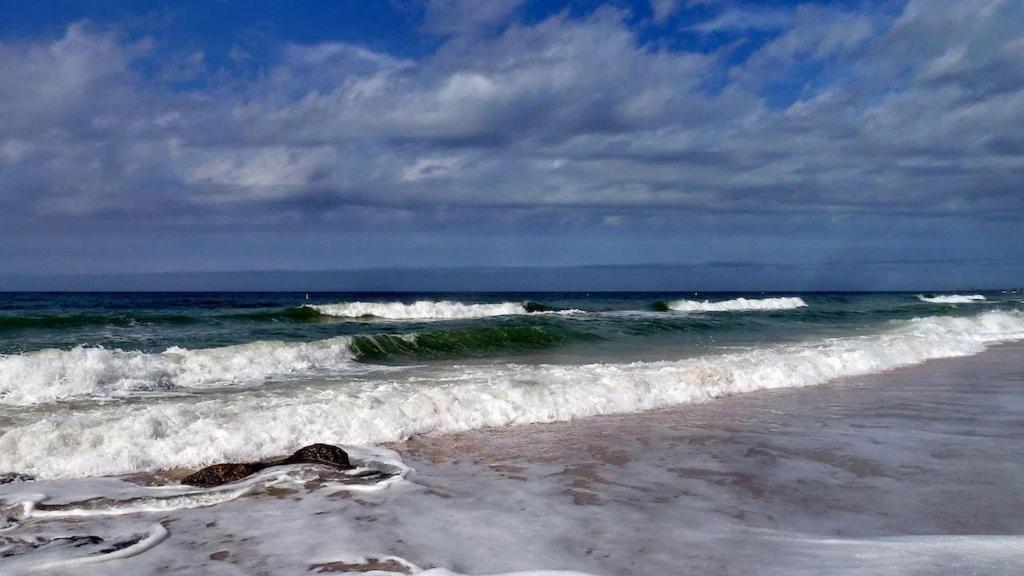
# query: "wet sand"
[[915, 471]]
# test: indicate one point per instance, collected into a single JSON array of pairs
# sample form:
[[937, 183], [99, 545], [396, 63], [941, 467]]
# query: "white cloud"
[[886, 113], [663, 9]]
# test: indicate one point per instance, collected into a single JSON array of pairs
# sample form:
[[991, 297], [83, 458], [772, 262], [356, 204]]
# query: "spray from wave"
[[735, 305], [952, 299], [251, 425]]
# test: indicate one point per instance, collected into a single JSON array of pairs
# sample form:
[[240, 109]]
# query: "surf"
[[116, 438], [734, 305], [423, 310], [952, 299]]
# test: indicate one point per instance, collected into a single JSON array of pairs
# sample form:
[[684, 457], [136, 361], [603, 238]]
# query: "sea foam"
[[737, 304], [420, 310], [95, 371], [952, 299], [253, 424]]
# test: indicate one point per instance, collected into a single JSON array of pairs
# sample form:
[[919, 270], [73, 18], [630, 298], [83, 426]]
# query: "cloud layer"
[[576, 120]]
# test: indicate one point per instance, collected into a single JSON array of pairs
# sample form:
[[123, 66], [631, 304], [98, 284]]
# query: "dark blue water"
[[153, 322]]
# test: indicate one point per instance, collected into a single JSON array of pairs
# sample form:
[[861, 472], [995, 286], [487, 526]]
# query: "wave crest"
[[737, 304], [420, 310], [952, 299]]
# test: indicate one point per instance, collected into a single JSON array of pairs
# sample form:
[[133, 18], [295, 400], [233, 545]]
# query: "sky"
[[849, 139]]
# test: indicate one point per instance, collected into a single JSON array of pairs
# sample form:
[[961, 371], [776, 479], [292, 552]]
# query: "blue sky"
[[218, 136]]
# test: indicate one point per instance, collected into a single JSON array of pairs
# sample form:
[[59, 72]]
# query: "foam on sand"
[[155, 535], [952, 299], [420, 310], [254, 424], [737, 304], [375, 469]]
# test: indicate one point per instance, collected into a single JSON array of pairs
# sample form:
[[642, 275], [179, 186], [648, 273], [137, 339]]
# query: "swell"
[[111, 439], [298, 314], [470, 343], [24, 322]]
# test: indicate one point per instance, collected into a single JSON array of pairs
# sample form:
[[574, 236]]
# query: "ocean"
[[524, 434], [114, 383]]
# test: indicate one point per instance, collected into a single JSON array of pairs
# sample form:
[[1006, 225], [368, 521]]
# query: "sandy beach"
[[915, 471]]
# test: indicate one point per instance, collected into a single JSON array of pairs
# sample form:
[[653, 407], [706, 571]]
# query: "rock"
[[370, 565], [218, 474], [10, 477], [323, 454], [222, 474]]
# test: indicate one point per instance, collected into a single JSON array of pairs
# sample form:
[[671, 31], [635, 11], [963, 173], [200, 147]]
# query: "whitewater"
[[253, 423], [738, 304], [953, 299], [419, 310]]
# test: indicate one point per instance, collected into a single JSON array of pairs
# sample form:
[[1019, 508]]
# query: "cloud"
[[741, 18], [467, 16], [663, 9], [571, 119]]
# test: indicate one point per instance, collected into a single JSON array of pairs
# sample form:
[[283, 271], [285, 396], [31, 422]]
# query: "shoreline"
[[914, 469]]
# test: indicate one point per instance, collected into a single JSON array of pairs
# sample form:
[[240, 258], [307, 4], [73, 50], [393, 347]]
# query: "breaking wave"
[[95, 371], [735, 305], [253, 424], [423, 310], [952, 299]]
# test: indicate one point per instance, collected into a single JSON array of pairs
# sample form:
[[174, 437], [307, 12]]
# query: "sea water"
[[114, 383]]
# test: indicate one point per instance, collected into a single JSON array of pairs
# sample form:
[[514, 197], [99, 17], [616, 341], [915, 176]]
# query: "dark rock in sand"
[[222, 474], [218, 474], [370, 565], [323, 454], [10, 477]]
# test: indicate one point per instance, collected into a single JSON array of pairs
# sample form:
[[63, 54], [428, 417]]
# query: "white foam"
[[254, 424], [737, 304], [52, 374], [155, 535], [420, 310], [446, 572], [952, 299], [130, 499]]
